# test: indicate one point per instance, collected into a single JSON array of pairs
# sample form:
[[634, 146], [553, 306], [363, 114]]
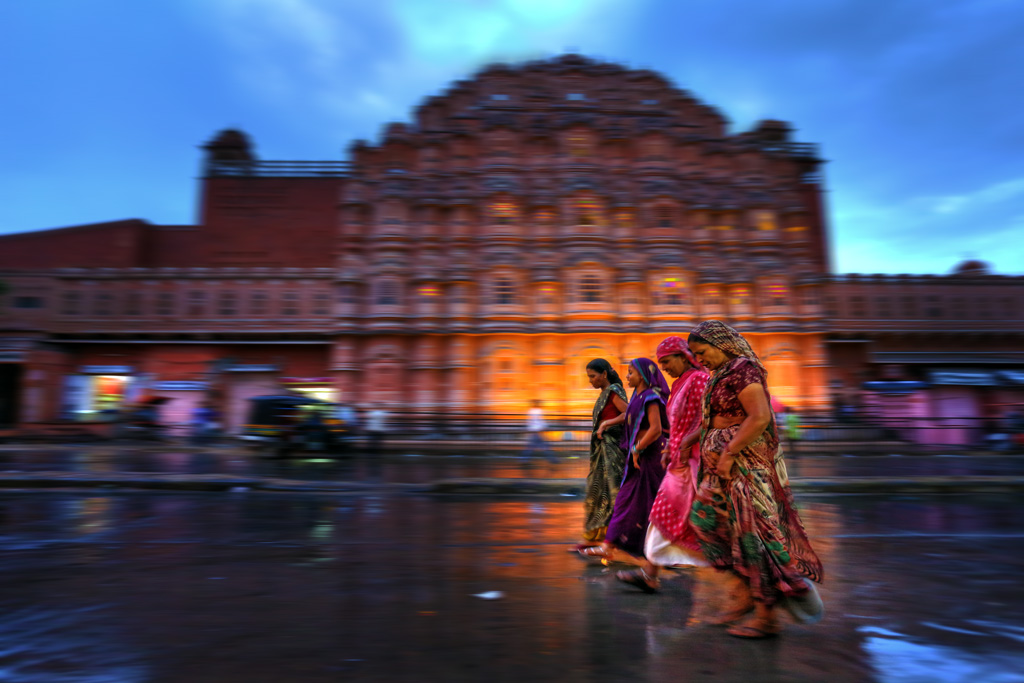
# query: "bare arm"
[[621, 405], [759, 416], [610, 423], [651, 434], [684, 446]]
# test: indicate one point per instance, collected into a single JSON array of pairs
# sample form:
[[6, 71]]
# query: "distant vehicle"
[[285, 424]]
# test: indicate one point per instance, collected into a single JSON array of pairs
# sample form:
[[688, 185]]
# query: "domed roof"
[[972, 267]]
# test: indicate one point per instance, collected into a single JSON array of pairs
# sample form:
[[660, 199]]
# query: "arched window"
[[764, 220], [387, 293], [504, 291], [588, 211], [165, 303], [624, 219], [663, 217], [504, 212], [580, 145], [777, 294], [290, 303], [227, 303], [713, 296], [739, 303], [546, 297], [590, 289], [133, 303], [670, 290]]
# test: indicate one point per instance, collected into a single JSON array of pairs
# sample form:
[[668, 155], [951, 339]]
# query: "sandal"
[[640, 579], [593, 551], [755, 627], [752, 632], [580, 547]]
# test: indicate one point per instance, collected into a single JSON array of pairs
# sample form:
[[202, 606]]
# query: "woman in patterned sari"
[[606, 457], [646, 428], [744, 515], [670, 540]]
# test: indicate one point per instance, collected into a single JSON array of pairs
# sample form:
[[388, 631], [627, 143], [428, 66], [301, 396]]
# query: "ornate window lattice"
[[588, 210], [504, 212], [590, 289], [764, 220], [504, 291]]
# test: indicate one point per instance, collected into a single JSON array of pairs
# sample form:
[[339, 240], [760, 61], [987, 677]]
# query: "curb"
[[917, 485], [474, 486]]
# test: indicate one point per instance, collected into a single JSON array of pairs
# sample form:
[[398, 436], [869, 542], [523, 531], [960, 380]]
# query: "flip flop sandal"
[[595, 551], [640, 579], [806, 608], [751, 632], [580, 547]]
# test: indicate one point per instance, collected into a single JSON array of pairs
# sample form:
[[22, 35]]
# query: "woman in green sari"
[[607, 459]]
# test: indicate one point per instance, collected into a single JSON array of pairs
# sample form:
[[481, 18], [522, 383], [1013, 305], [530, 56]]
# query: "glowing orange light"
[[503, 209], [429, 290]]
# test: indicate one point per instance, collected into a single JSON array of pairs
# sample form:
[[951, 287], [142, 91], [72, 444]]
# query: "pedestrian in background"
[[790, 428], [607, 458], [535, 426], [376, 425]]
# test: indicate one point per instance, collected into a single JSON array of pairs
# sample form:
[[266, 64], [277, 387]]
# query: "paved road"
[[254, 587]]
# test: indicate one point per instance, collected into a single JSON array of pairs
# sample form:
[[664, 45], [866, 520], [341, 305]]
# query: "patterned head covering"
[[723, 337], [672, 345], [652, 376]]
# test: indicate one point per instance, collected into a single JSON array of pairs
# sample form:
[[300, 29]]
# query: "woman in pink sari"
[[670, 538]]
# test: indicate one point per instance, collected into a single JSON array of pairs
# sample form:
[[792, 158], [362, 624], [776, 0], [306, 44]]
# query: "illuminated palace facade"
[[475, 259]]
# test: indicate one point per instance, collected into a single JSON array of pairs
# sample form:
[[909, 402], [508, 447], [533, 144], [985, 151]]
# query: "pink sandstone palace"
[[524, 222]]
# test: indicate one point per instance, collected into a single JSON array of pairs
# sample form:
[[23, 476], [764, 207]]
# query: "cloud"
[[919, 232], [995, 193], [356, 63]]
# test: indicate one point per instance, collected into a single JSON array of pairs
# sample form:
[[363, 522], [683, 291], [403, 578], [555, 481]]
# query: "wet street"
[[247, 586], [408, 466]]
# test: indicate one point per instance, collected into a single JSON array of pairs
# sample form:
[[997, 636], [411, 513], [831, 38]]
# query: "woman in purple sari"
[[646, 432]]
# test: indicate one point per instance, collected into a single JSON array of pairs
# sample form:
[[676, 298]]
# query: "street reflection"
[[384, 585]]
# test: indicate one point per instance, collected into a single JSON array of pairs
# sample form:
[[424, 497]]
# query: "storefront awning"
[[971, 378], [1011, 377], [934, 358], [897, 387]]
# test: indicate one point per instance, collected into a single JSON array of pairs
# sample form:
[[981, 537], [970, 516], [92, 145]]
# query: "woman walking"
[[607, 459], [743, 515], [646, 428], [670, 539]]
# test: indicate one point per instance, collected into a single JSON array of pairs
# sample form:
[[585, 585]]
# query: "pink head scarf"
[[673, 345]]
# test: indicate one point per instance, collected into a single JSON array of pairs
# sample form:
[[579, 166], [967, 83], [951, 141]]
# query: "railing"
[[277, 169]]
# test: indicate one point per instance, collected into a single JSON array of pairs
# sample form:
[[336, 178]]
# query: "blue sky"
[[918, 104]]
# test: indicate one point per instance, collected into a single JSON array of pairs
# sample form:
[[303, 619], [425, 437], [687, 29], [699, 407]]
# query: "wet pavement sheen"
[[386, 587], [416, 468]]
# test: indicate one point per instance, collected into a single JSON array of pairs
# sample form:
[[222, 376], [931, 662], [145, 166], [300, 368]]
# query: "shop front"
[[321, 388], [98, 393], [242, 382], [183, 398]]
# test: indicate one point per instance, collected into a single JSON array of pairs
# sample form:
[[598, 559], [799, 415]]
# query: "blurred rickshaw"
[[281, 425]]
